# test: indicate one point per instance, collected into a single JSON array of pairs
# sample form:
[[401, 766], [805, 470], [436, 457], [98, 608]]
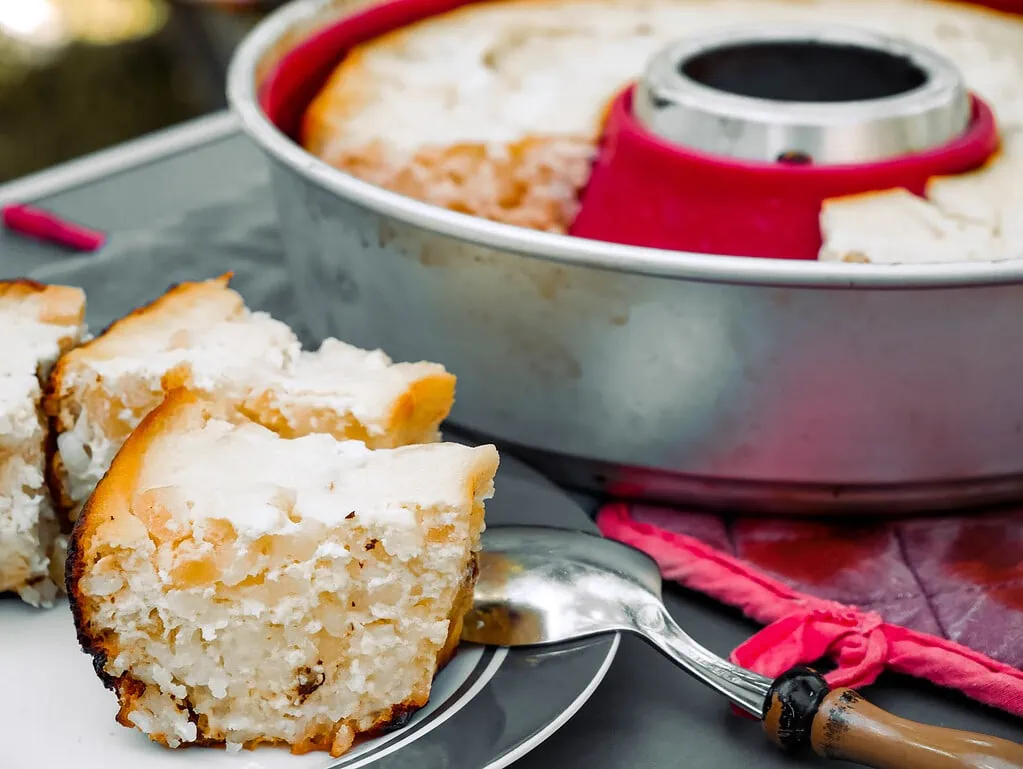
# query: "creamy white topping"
[[324, 604], [30, 348], [897, 227], [500, 71], [215, 353], [248, 358], [29, 344], [347, 380], [251, 477]]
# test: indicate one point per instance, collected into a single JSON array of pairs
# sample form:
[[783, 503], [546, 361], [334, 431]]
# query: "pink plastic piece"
[[645, 191], [43, 225]]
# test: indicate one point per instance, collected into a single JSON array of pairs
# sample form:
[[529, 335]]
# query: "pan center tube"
[[811, 94]]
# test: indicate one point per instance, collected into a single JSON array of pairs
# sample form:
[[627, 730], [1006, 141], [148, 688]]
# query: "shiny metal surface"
[[540, 586], [721, 380], [673, 104]]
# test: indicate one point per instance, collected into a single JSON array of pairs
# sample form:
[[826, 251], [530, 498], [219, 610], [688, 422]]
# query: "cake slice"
[[38, 323], [897, 227], [202, 336], [990, 196], [239, 588], [975, 216]]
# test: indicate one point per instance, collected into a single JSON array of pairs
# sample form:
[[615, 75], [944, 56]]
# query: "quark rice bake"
[[496, 109], [239, 588], [202, 336], [270, 545]]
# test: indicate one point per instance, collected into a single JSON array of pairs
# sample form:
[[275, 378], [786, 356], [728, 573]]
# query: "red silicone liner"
[[644, 191], [294, 82]]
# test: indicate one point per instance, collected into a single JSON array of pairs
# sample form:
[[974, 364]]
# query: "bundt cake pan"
[[781, 385]]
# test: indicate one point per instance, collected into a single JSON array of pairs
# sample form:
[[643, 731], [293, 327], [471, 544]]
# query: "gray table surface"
[[645, 714]]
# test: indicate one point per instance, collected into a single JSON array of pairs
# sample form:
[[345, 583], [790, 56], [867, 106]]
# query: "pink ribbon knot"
[[855, 640]]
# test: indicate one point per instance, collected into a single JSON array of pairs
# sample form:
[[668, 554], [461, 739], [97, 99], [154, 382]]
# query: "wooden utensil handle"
[[838, 723]]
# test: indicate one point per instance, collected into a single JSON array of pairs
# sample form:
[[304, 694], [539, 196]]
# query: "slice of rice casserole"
[[38, 323], [236, 587], [202, 336]]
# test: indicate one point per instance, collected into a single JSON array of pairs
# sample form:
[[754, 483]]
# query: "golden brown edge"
[[61, 305], [165, 302], [113, 497], [55, 394], [414, 416], [422, 407]]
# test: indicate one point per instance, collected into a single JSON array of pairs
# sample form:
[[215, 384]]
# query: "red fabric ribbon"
[[855, 641], [801, 628]]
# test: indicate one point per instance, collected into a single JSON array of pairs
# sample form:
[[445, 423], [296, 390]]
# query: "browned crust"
[[214, 293], [994, 159], [536, 182], [350, 87], [421, 408], [56, 406], [871, 195], [345, 91], [58, 305], [414, 417], [111, 502]]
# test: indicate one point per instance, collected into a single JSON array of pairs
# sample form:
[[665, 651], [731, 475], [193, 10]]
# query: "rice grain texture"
[[38, 324]]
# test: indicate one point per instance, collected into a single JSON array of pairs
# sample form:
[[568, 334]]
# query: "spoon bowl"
[[540, 586]]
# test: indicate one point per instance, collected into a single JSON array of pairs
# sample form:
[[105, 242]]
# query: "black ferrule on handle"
[[791, 704]]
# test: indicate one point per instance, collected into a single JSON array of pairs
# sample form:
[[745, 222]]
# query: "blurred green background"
[[80, 75]]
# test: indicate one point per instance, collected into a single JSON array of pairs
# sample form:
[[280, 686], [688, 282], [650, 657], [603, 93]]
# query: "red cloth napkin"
[[937, 598]]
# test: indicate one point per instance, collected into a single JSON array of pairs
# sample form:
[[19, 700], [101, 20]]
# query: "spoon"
[[539, 586]]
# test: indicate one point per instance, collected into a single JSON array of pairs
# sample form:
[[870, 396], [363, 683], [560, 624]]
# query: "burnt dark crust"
[[396, 718], [74, 571]]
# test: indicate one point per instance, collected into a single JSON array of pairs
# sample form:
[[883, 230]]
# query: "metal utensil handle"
[[801, 709], [744, 688]]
